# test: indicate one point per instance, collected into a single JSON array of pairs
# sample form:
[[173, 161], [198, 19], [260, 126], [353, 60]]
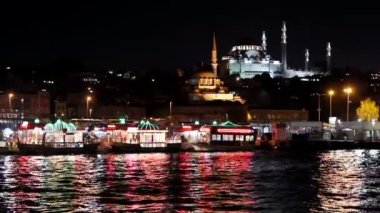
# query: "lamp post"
[[170, 108], [319, 104], [348, 90], [88, 101], [331, 93], [10, 96]]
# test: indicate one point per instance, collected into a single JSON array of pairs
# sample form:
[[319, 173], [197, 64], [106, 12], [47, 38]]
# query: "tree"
[[368, 110]]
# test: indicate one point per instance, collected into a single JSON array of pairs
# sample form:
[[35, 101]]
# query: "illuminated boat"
[[7, 143], [146, 137], [57, 138], [226, 136]]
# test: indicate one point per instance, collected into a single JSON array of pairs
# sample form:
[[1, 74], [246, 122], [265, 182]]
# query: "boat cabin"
[[228, 133]]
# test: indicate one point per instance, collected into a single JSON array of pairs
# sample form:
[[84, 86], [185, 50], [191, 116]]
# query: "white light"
[[7, 132]]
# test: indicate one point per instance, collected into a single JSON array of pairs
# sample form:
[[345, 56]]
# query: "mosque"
[[247, 59], [207, 86]]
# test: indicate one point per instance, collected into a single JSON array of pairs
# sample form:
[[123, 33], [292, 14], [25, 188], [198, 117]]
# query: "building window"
[[239, 137], [216, 137], [249, 138], [228, 137]]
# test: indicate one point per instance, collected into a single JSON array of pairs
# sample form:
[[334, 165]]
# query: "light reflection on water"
[[249, 181]]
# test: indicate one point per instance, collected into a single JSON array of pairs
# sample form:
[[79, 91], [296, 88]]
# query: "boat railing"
[[64, 144], [153, 144], [174, 140]]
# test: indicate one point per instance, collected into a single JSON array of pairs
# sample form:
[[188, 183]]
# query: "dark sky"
[[139, 34]]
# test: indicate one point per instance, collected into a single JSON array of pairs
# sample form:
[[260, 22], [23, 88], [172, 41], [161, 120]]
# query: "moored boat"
[[146, 137], [58, 138], [226, 136]]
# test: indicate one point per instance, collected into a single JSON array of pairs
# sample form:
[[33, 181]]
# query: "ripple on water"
[[241, 181]]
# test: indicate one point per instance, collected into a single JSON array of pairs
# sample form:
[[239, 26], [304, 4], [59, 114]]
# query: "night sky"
[[134, 35]]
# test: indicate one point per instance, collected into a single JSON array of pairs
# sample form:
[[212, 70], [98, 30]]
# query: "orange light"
[[347, 90]]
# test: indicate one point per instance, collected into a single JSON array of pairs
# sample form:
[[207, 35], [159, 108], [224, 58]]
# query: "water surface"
[[242, 181]]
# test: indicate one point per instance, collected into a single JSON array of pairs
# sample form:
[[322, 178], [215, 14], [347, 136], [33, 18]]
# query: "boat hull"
[[215, 147], [39, 149], [137, 148]]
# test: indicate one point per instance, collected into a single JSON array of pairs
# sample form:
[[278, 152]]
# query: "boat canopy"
[[147, 125], [228, 124], [60, 126]]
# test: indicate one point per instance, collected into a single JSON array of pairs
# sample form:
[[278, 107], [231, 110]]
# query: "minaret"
[[264, 42], [328, 58], [214, 57], [283, 47], [307, 60]]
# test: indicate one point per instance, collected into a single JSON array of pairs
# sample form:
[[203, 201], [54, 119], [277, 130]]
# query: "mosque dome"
[[204, 71], [205, 74]]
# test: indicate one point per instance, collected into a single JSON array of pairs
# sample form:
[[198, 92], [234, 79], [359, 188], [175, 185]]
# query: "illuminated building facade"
[[206, 86], [247, 59], [374, 82]]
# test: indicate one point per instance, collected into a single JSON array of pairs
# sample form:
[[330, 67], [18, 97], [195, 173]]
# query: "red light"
[[111, 126], [204, 129], [242, 131], [186, 128], [24, 125]]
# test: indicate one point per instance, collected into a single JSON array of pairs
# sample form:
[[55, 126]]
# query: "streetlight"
[[88, 100], [10, 101], [348, 90], [331, 93], [319, 104], [170, 108]]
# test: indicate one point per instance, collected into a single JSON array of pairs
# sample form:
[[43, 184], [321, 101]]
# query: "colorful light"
[[186, 128], [230, 130], [111, 126]]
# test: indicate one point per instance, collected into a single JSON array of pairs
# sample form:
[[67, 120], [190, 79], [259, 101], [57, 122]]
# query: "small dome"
[[205, 74]]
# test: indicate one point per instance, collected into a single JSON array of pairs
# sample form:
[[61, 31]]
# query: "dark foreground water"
[[243, 181]]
